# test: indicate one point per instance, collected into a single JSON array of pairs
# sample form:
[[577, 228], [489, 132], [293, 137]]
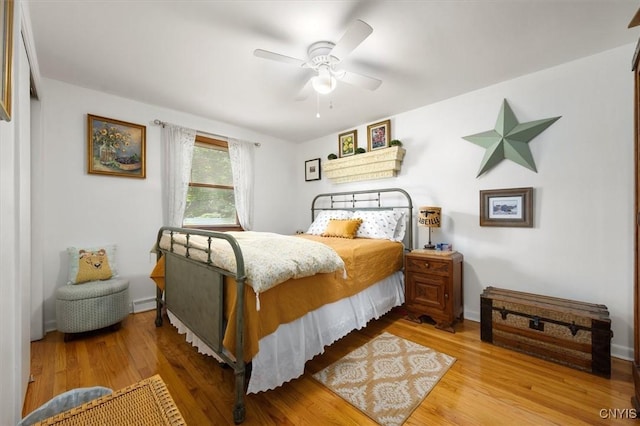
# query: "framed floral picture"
[[378, 135], [115, 147], [312, 169], [507, 207], [347, 143]]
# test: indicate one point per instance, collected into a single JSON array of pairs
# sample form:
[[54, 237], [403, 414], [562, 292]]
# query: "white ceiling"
[[197, 56]]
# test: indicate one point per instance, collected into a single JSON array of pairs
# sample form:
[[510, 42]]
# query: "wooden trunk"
[[571, 333]]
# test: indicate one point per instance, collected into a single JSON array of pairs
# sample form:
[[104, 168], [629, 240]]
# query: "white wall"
[[83, 209], [23, 136], [15, 244], [581, 245]]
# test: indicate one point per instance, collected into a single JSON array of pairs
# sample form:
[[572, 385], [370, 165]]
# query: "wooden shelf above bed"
[[379, 164]]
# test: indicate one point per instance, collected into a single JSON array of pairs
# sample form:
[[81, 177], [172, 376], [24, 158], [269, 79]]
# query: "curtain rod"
[[213, 135]]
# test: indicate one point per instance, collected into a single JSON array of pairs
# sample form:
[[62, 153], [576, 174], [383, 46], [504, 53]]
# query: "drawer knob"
[[426, 265]]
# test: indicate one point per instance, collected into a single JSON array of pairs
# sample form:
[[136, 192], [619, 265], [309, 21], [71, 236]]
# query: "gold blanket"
[[367, 261]]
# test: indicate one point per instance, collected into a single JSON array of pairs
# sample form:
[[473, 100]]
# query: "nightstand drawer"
[[428, 266]]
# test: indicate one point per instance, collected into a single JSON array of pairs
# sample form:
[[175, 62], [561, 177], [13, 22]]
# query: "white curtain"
[[241, 154], [177, 148]]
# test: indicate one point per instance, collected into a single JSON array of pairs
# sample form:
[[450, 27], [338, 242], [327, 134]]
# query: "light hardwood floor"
[[487, 385]]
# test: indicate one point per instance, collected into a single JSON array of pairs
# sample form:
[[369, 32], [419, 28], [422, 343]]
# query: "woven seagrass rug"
[[387, 378]]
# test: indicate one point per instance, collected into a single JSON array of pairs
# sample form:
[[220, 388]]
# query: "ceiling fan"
[[324, 58]]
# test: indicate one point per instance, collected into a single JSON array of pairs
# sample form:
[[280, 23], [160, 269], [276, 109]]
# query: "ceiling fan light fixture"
[[324, 82]]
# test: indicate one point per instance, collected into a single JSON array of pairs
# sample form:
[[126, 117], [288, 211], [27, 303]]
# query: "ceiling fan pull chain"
[[317, 105]]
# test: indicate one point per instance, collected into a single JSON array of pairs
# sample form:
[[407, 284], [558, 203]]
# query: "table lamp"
[[429, 217]]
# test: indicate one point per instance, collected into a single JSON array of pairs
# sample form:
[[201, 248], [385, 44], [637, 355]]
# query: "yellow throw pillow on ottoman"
[[91, 264]]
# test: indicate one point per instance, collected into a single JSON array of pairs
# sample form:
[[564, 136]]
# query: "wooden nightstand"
[[433, 287]]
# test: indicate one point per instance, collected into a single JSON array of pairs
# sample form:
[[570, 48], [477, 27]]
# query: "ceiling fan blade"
[[265, 54], [359, 80], [355, 34], [303, 94]]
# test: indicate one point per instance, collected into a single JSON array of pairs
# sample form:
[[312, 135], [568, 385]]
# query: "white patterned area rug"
[[387, 378]]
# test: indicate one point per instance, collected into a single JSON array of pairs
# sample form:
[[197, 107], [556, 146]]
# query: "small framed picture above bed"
[[378, 135], [312, 170], [511, 207], [115, 148], [347, 143]]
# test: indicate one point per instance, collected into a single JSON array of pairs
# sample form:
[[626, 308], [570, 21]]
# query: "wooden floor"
[[487, 385]]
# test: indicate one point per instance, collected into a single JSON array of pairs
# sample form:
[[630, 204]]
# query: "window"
[[210, 198]]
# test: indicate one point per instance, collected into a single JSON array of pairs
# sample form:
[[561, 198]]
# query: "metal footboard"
[[194, 293]]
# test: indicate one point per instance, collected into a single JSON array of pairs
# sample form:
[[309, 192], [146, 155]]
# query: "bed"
[[214, 292]]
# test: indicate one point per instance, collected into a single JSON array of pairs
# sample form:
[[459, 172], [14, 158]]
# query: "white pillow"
[[379, 224], [321, 222], [401, 227]]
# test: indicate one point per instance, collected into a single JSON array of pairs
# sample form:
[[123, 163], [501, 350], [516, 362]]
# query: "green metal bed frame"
[[198, 301]]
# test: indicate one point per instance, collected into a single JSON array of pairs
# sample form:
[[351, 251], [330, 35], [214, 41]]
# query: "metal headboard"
[[373, 199]]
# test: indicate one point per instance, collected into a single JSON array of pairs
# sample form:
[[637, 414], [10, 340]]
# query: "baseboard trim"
[[50, 326], [143, 305]]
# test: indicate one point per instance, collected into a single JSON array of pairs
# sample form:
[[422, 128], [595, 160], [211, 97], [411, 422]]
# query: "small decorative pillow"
[[91, 264], [342, 228], [321, 221]]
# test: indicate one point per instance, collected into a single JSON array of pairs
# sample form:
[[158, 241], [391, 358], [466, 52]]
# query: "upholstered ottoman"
[[92, 305]]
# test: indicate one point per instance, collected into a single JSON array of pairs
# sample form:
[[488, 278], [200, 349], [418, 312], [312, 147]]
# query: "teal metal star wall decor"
[[509, 139]]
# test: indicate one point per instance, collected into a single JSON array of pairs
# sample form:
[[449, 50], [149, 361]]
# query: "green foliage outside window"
[[206, 205]]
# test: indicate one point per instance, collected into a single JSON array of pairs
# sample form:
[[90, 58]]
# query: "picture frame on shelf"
[[379, 135], [347, 143], [115, 147], [6, 20], [312, 170], [511, 207]]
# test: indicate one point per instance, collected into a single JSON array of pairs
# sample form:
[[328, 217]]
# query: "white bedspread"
[[269, 258], [284, 352]]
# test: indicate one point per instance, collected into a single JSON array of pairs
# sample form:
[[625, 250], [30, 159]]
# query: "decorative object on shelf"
[[312, 169], [331, 156], [395, 142], [360, 150], [378, 135], [6, 20], [509, 139], [383, 163], [430, 217], [507, 207], [115, 147], [347, 143]]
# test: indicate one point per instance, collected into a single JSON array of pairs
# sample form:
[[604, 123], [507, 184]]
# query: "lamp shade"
[[429, 216]]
